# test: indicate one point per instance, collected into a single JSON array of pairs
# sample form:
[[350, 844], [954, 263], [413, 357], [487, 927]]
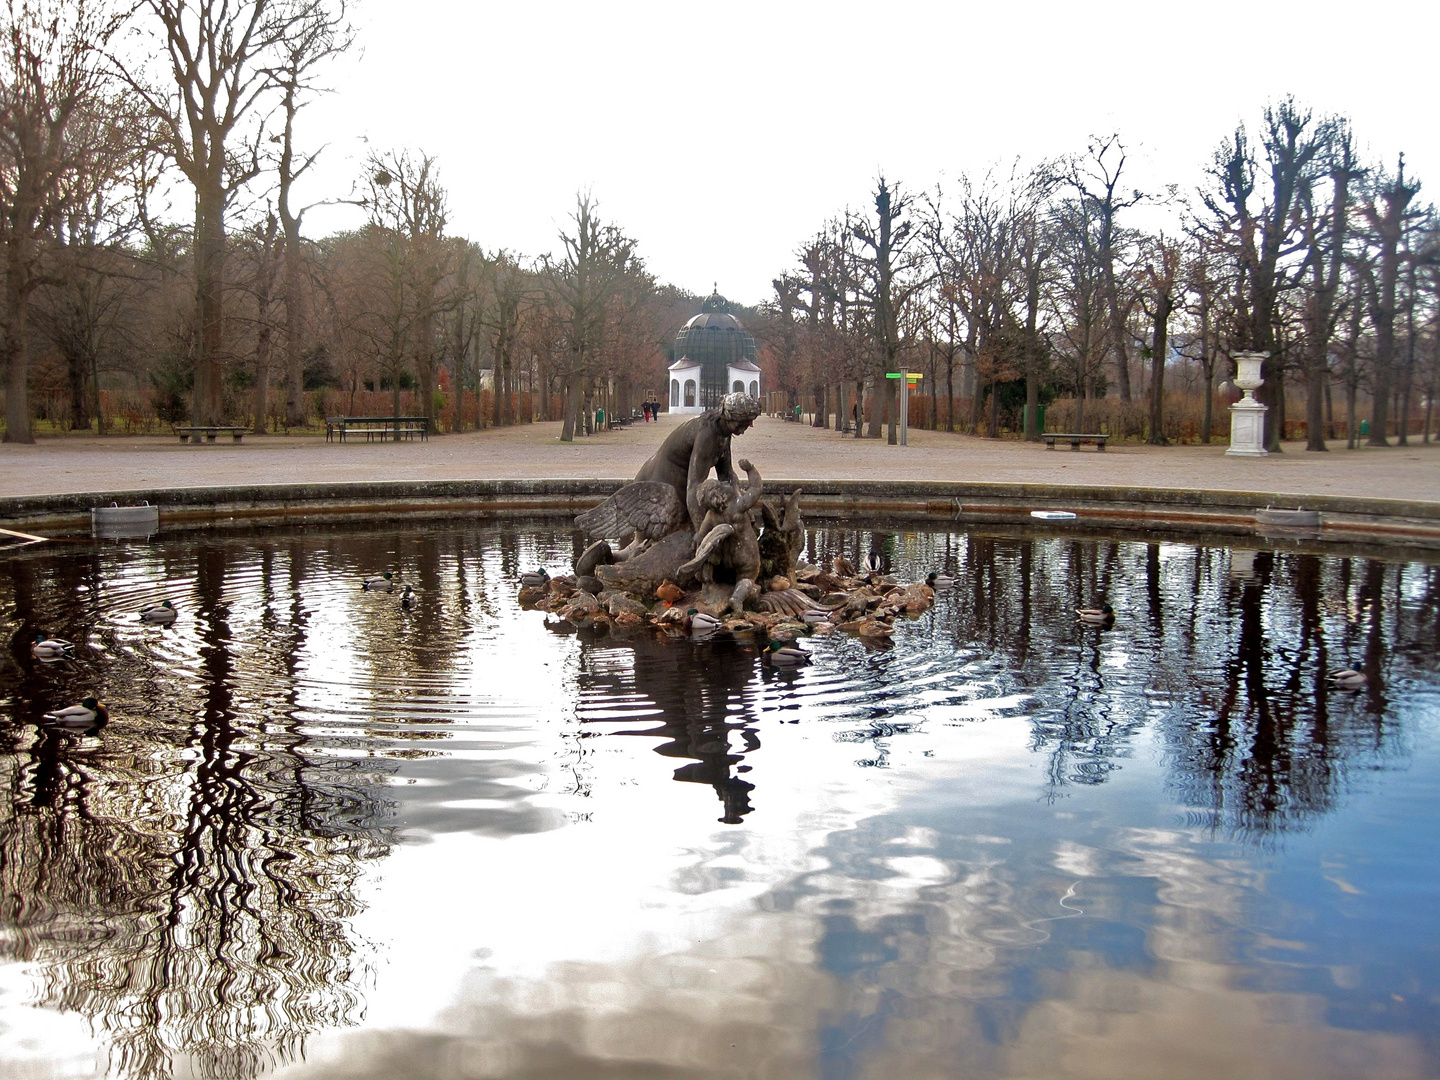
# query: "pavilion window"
[[689, 393]]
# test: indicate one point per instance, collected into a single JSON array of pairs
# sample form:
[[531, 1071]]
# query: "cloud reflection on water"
[[1008, 846]]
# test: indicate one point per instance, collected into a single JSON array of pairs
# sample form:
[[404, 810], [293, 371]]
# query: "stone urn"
[[1247, 416]]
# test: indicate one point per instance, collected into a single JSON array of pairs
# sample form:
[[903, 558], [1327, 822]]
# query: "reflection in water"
[[1007, 842]]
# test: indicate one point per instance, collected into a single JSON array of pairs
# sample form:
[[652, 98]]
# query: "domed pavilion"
[[715, 356]]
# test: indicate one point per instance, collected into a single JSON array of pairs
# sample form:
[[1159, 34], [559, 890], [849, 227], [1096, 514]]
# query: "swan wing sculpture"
[[648, 508]]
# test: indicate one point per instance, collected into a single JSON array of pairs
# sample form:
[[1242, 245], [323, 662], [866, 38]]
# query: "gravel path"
[[781, 451]]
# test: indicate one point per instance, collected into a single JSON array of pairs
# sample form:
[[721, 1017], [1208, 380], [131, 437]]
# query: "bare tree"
[[407, 201], [582, 284], [1158, 296], [1096, 179], [1261, 238], [49, 77], [888, 285], [1386, 210], [1324, 231], [318, 32]]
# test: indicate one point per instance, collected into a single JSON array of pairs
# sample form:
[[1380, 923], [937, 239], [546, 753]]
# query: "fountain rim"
[[956, 503]]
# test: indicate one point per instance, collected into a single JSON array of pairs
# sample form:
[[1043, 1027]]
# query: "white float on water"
[[1053, 515]]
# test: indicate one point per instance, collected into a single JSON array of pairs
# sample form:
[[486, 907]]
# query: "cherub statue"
[[727, 536]]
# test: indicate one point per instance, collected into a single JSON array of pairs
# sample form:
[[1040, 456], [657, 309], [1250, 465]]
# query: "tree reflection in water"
[[187, 879]]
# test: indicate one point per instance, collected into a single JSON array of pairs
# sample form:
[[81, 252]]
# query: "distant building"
[[716, 356]]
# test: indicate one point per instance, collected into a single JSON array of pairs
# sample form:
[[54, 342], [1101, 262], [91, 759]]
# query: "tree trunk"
[[294, 364], [17, 358], [572, 407], [209, 402], [78, 371], [262, 376], [1159, 346]]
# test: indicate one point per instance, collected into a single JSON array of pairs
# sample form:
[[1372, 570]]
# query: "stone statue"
[[687, 455], [637, 515], [664, 499], [726, 538], [783, 540]]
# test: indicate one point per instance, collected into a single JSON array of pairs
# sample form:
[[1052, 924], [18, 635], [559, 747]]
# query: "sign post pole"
[[904, 377]]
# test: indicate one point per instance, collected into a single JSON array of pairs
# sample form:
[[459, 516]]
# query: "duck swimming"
[[874, 563], [939, 581], [700, 622], [1348, 679], [787, 655], [408, 600], [44, 648], [88, 712], [161, 614], [1104, 615], [385, 581], [535, 579]]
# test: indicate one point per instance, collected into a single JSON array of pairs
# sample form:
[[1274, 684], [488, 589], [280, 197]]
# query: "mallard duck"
[[85, 714], [939, 581], [161, 614], [535, 579], [701, 622], [407, 601], [1104, 615], [44, 648], [385, 581], [787, 655], [1349, 679], [842, 566], [815, 616], [874, 563]]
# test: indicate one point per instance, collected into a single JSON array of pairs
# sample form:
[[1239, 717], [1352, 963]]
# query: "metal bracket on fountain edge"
[[115, 522], [1272, 518]]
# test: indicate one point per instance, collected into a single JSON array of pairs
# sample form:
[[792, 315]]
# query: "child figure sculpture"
[[727, 536]]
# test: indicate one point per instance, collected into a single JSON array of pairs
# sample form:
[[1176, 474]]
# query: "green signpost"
[[907, 383]]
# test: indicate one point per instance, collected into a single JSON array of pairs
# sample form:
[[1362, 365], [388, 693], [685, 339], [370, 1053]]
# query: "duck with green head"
[[48, 648], [89, 713], [161, 614], [1104, 615], [787, 655]]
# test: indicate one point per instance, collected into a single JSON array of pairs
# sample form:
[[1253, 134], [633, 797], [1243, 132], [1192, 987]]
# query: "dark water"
[[324, 837]]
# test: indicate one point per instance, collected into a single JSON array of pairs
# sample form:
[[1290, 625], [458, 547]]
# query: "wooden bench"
[[386, 428], [1074, 439], [192, 432]]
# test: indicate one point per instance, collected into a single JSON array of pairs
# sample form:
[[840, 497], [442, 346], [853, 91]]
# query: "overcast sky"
[[721, 136]]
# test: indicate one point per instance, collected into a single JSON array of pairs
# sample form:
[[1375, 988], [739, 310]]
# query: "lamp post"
[[1247, 416]]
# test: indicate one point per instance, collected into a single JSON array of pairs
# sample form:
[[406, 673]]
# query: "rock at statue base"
[[622, 605], [650, 569], [629, 619]]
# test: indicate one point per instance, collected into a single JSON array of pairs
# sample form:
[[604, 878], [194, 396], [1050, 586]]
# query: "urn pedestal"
[[1247, 416]]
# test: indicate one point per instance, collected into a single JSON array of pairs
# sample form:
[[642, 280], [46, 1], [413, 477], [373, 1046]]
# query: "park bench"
[[1074, 439], [192, 432], [385, 428]]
